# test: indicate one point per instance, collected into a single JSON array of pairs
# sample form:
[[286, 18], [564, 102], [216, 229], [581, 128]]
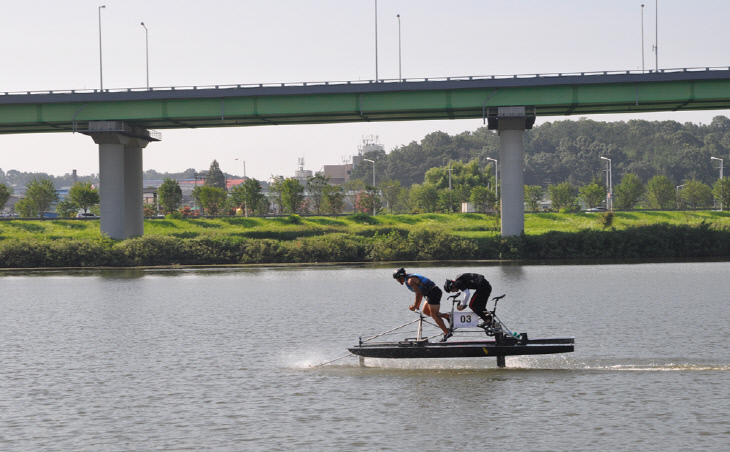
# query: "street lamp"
[[374, 190], [496, 176], [400, 74], [101, 73], [656, 31], [609, 179], [244, 167], [376, 41], [147, 53], [245, 202], [678, 187], [720, 160], [642, 37]]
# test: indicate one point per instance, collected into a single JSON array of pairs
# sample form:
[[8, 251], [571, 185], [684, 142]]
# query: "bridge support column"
[[120, 176], [511, 123]]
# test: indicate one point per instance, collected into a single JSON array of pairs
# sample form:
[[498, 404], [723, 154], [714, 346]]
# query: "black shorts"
[[433, 296]]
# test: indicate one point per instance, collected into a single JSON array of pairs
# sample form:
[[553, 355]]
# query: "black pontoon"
[[504, 342]]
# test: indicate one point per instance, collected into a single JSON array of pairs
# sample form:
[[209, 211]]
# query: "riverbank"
[[363, 238]]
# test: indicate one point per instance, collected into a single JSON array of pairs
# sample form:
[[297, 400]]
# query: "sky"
[[54, 45]]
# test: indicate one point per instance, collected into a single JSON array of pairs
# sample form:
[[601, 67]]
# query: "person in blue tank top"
[[424, 288]]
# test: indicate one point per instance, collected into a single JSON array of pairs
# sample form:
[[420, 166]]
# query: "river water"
[[228, 360]]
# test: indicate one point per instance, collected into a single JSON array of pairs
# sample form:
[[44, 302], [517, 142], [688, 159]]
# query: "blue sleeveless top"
[[424, 285]]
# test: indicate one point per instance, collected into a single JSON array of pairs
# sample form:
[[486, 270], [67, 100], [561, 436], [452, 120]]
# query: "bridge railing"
[[362, 82]]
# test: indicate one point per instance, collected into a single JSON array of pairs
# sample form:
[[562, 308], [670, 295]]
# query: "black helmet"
[[399, 273], [449, 285]]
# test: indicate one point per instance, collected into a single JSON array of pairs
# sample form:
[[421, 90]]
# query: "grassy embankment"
[[362, 238]]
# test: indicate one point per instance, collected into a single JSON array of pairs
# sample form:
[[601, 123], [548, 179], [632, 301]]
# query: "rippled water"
[[227, 360]]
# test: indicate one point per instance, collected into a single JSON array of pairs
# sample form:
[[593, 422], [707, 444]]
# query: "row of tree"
[[630, 193], [41, 194], [571, 151]]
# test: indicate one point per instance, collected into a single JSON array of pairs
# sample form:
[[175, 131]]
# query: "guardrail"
[[364, 82]]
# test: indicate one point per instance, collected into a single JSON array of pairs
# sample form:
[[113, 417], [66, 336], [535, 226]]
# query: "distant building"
[[340, 174], [370, 143], [301, 174]]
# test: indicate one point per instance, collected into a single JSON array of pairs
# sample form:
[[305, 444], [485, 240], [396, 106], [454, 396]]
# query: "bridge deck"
[[329, 102]]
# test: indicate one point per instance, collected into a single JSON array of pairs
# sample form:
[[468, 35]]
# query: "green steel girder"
[[403, 101]]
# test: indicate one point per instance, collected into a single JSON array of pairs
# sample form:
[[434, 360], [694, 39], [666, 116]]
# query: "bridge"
[[121, 120]]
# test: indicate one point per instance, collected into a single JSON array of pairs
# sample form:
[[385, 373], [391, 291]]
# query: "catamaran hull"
[[471, 349]]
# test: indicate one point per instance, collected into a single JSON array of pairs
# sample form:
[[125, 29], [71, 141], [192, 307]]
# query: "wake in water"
[[316, 360]]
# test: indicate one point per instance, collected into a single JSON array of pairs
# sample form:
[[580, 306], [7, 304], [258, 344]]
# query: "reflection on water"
[[228, 359]]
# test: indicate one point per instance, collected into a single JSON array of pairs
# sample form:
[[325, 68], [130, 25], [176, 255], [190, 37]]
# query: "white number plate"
[[465, 319]]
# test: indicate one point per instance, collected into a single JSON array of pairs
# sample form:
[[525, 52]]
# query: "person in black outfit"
[[466, 282]]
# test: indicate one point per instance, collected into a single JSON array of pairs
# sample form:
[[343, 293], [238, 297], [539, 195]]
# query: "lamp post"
[[244, 167], [678, 187], [101, 72], [245, 201], [609, 179], [656, 31], [642, 37], [376, 41], [374, 190], [400, 74], [720, 160], [496, 177], [147, 53]]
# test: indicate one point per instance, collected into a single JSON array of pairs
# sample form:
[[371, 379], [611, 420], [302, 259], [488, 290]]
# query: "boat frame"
[[505, 342]]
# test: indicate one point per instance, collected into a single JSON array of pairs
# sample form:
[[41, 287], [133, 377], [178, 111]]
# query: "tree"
[[149, 210], [696, 194], [391, 192], [276, 188], [333, 199], [352, 189], [483, 199], [592, 194], [215, 177], [661, 193], [367, 200], [66, 208], [5, 193], [25, 208], [249, 196], [170, 195], [84, 195], [533, 196], [212, 199], [721, 191], [292, 195], [446, 200], [629, 192], [41, 194], [315, 186], [562, 195], [424, 197], [463, 174]]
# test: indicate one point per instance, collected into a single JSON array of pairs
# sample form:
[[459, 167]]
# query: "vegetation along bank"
[[366, 238]]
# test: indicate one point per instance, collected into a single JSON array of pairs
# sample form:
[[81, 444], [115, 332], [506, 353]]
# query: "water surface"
[[226, 360]]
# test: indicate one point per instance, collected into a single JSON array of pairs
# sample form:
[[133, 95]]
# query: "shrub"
[[362, 218], [606, 219]]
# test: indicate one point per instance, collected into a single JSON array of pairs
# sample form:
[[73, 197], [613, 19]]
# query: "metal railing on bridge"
[[365, 82]]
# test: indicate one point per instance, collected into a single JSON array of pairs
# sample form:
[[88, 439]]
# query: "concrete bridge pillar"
[[120, 176], [511, 122]]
